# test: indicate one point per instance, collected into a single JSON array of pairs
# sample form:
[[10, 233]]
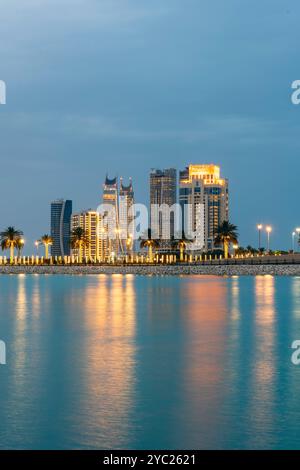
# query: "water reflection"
[[234, 294], [263, 363], [21, 390], [206, 317], [108, 361], [296, 297], [136, 362], [27, 307], [20, 338], [231, 363]]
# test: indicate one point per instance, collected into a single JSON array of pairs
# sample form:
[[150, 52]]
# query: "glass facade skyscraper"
[[163, 192], [61, 212]]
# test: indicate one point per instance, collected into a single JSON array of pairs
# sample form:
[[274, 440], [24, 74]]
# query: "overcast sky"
[[120, 86]]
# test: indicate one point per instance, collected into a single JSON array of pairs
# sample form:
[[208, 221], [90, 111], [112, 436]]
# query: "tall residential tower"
[[203, 196], [91, 222], [61, 211]]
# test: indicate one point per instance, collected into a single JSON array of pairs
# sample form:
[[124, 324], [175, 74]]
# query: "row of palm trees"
[[226, 235], [79, 240], [11, 239], [249, 250]]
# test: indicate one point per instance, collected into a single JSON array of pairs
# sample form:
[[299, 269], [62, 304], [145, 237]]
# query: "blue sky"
[[120, 86]]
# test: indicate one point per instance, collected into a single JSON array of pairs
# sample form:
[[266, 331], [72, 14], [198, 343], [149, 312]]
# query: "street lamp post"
[[298, 233], [293, 241], [259, 228], [269, 230], [21, 246]]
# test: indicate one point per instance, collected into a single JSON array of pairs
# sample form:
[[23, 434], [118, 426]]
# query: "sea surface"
[[129, 362]]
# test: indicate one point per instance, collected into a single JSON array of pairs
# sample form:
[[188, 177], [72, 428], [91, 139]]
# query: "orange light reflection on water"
[[109, 313]]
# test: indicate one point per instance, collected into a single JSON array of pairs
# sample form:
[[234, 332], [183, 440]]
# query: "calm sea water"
[[140, 362]]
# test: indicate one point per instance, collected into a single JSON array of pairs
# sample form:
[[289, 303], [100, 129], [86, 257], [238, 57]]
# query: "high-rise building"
[[111, 214], [91, 222], [203, 196], [61, 211], [118, 215], [126, 216], [163, 192]]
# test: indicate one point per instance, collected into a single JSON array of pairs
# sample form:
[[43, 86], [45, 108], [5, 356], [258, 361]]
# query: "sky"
[[122, 86]]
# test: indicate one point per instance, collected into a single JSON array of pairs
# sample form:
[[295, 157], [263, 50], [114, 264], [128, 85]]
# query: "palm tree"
[[19, 245], [47, 241], [251, 250], [240, 251], [79, 240], [149, 243], [9, 240], [181, 243], [226, 234]]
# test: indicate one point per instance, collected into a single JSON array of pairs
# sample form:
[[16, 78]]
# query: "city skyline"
[[263, 232], [149, 230], [119, 181], [151, 94]]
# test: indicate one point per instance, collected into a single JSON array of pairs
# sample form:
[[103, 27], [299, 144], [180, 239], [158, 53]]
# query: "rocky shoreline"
[[160, 270]]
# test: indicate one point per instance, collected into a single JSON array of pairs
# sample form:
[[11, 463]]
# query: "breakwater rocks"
[[160, 270]]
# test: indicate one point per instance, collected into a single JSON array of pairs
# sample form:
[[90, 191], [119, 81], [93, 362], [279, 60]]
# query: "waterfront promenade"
[[286, 265]]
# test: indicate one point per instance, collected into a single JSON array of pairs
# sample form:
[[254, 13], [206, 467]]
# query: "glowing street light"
[[235, 247], [268, 230], [129, 242], [259, 228]]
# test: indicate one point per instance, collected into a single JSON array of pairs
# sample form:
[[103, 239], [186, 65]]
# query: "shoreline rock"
[[159, 270]]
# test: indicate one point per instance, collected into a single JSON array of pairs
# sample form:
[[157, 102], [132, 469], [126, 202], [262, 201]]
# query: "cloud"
[[53, 18], [123, 85], [95, 128]]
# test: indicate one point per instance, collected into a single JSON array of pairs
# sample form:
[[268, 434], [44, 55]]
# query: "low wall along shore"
[[160, 270]]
